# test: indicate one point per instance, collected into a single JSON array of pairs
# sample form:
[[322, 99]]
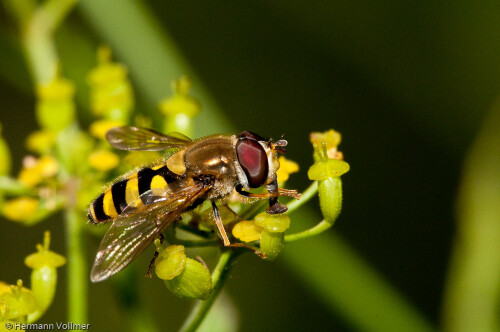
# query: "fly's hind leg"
[[155, 256], [225, 239]]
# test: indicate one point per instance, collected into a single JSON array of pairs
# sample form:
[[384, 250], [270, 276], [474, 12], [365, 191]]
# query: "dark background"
[[407, 85]]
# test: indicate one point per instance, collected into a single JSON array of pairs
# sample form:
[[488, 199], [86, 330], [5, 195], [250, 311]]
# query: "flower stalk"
[[219, 276]]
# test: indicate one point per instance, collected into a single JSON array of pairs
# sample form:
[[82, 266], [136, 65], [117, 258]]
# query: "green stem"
[[37, 36], [309, 193], [77, 269], [55, 11], [315, 230], [219, 276]]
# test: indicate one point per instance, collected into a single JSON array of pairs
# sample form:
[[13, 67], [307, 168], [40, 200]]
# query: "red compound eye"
[[253, 159]]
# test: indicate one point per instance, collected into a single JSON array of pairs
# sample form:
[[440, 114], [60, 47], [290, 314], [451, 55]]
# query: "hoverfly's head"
[[258, 159]]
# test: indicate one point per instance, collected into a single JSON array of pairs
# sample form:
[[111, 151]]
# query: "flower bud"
[[170, 262], [99, 128], [247, 231], [180, 108], [111, 91], [272, 236], [193, 283], [327, 169], [55, 109], [274, 223], [44, 275], [103, 160], [330, 198], [271, 244], [19, 301]]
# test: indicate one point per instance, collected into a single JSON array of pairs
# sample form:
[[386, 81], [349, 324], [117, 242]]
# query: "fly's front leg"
[[222, 231], [275, 207], [273, 193]]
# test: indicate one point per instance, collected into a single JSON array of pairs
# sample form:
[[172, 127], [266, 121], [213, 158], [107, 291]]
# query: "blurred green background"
[[408, 84]]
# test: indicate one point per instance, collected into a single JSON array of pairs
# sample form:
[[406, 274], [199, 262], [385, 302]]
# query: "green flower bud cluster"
[[55, 108], [183, 276], [18, 303], [111, 92]]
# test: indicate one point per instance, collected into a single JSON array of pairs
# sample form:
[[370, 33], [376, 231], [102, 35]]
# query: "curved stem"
[[315, 230], [219, 276]]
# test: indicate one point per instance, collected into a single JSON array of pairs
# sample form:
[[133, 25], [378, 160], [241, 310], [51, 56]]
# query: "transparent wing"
[[136, 138], [137, 227]]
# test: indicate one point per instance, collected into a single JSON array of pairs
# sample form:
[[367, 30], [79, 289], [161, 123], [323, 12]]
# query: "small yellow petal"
[[4, 287], [103, 160], [40, 141], [35, 170], [100, 128], [287, 167], [331, 139], [30, 177], [247, 231], [20, 209], [47, 166]]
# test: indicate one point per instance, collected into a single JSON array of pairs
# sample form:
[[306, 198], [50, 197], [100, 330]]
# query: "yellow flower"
[[103, 160], [247, 231], [100, 128], [44, 256], [331, 139], [40, 141], [4, 287], [35, 170], [20, 209], [287, 167]]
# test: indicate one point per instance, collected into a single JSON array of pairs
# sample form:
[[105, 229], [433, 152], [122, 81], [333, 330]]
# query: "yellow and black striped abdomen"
[[121, 194]]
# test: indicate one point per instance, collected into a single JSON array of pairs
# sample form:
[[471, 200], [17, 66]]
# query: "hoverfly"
[[140, 206]]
